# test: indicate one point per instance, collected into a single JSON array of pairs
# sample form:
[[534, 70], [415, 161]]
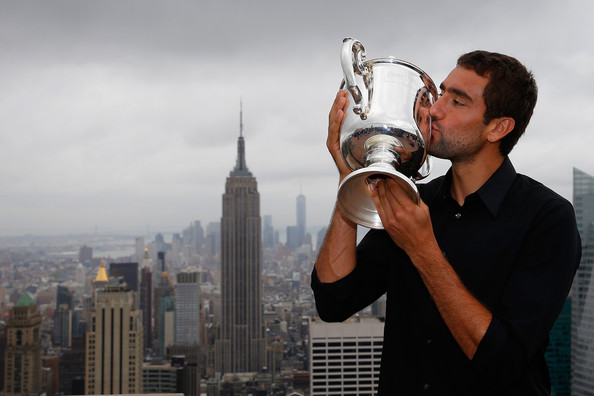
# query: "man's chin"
[[435, 154]]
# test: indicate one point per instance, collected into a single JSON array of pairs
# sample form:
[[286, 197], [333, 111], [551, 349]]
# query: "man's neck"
[[469, 176]]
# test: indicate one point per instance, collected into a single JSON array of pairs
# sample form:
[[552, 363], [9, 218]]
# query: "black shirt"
[[514, 244]]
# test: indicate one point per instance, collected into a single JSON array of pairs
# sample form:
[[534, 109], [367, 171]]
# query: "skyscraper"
[[146, 300], [187, 307], [188, 330], [22, 370], [128, 272], [582, 309], [62, 326], [114, 347], [241, 347], [345, 357], [268, 232], [63, 296], [138, 249], [301, 218], [163, 309]]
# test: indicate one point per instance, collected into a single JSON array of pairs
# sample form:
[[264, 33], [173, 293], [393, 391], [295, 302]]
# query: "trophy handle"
[[425, 169], [351, 59]]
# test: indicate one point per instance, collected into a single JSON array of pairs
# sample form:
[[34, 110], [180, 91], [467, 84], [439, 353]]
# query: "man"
[[478, 271]]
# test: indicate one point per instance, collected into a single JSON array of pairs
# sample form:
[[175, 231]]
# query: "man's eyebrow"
[[456, 91]]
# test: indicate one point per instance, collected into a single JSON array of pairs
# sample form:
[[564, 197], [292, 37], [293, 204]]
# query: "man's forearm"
[[465, 316], [338, 256]]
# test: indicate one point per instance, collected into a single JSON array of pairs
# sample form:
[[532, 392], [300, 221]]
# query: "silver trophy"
[[386, 130]]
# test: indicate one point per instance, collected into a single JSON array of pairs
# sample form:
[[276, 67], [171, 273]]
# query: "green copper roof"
[[25, 300]]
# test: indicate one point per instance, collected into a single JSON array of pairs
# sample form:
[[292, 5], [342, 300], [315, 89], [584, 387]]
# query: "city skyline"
[[583, 185], [117, 116]]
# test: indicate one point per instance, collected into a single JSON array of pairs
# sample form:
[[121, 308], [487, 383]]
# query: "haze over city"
[[118, 116]]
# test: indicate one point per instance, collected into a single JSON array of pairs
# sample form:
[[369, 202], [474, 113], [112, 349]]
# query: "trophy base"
[[353, 194]]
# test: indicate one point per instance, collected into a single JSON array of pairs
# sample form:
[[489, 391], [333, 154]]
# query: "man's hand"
[[407, 223], [335, 119]]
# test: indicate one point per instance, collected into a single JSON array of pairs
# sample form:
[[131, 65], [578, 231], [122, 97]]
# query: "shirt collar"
[[493, 191]]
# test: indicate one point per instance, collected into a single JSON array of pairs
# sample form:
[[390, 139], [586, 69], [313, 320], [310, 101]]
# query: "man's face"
[[458, 131]]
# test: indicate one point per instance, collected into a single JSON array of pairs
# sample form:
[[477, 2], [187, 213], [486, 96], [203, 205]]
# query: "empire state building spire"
[[241, 169]]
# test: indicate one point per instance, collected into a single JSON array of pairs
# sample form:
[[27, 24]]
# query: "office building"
[[187, 307], [114, 347], [582, 309], [50, 373], [22, 356], [72, 367], [164, 309], [128, 272], [160, 377], [187, 359], [62, 326], [139, 249], [146, 300], [345, 357], [187, 331], [558, 354], [85, 253], [241, 346], [267, 232], [293, 238], [301, 223], [63, 297]]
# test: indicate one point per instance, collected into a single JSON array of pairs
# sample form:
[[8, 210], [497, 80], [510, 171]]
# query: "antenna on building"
[[240, 117]]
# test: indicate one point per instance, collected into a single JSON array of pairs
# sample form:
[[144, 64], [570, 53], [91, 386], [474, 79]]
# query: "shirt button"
[[458, 215], [428, 341], [426, 387]]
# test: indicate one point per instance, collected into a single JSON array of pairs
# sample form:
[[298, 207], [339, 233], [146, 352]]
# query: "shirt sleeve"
[[533, 298], [340, 300]]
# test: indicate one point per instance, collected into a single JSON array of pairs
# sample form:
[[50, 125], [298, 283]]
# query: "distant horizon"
[[130, 232]]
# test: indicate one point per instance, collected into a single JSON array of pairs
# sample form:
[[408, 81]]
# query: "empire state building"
[[241, 347]]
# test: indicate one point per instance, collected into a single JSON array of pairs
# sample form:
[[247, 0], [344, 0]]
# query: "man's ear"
[[500, 128]]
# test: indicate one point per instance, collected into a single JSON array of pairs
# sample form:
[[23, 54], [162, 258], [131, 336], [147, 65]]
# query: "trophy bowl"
[[386, 130]]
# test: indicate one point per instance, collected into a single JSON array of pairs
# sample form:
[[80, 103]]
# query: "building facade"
[[160, 378], [582, 309], [114, 347], [22, 357], [301, 219], [345, 357], [146, 300], [187, 307], [128, 272], [241, 346]]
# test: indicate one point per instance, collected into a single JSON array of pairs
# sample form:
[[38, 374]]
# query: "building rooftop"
[[25, 300]]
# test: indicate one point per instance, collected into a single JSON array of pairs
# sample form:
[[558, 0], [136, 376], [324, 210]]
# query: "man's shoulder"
[[525, 187]]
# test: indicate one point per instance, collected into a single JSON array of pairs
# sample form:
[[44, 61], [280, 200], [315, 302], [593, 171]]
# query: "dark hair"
[[510, 92]]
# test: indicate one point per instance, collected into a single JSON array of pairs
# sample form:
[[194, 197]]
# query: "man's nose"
[[435, 109]]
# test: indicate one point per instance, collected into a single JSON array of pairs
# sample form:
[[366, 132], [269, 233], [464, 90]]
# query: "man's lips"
[[434, 127]]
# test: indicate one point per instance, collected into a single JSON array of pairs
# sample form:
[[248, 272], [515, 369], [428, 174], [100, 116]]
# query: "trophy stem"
[[354, 199]]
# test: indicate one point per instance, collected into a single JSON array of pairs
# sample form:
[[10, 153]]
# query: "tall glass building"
[[301, 222], [558, 353], [582, 316], [187, 308]]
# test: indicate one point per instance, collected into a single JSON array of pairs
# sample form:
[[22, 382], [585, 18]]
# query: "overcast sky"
[[124, 115]]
